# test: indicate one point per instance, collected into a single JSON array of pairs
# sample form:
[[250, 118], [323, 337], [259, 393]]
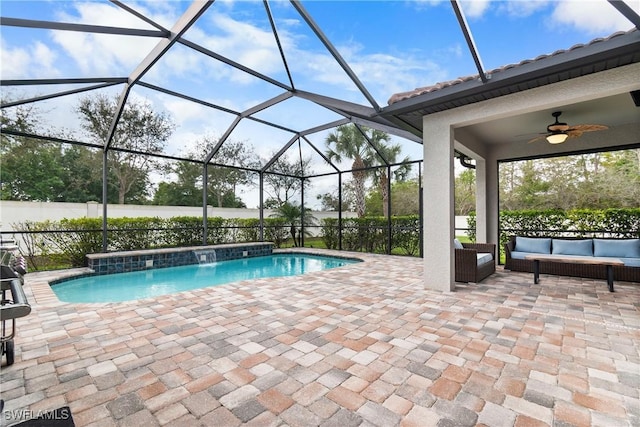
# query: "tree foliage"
[[405, 198], [185, 186], [465, 192], [597, 181], [223, 183], [295, 218], [140, 129], [365, 147], [286, 183], [30, 169], [330, 201]]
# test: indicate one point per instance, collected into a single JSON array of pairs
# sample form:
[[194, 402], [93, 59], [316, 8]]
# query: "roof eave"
[[607, 54]]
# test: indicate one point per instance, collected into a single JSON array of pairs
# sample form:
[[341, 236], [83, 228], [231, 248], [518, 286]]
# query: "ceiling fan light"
[[557, 138]]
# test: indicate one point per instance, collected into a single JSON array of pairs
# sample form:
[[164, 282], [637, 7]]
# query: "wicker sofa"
[[630, 272], [470, 264]]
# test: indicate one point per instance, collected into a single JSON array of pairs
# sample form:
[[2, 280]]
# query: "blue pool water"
[[163, 281]]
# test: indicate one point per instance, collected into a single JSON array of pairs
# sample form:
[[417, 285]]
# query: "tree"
[[223, 182], [329, 201], [82, 176], [594, 180], [295, 217], [30, 168], [404, 199], [348, 142], [185, 190], [465, 192], [139, 129], [287, 182], [390, 153]]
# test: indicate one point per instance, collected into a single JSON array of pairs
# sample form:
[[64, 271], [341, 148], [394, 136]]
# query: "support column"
[[438, 210], [261, 206], [493, 200], [205, 220], [105, 182], [481, 200]]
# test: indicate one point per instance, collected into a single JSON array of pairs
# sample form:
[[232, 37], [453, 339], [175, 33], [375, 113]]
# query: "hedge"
[[621, 223], [70, 240], [369, 234]]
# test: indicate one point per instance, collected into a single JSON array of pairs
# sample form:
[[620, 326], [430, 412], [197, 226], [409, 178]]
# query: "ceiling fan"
[[558, 132]]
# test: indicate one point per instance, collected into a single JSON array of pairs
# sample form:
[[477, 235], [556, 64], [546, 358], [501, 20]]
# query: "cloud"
[[589, 16], [522, 9], [36, 60], [475, 8], [16, 62], [382, 73], [103, 54], [592, 17]]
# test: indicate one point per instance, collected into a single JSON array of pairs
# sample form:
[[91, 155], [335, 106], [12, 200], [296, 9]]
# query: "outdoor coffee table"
[[607, 262]]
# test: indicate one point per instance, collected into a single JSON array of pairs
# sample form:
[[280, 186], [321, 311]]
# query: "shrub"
[[329, 233], [406, 234], [182, 231], [276, 230], [74, 238]]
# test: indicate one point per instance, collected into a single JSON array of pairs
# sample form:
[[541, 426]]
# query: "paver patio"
[[361, 345]]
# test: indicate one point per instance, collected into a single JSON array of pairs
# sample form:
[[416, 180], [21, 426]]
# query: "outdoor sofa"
[[474, 261], [625, 250]]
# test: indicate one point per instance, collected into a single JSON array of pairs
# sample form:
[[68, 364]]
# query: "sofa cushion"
[[619, 248], [519, 255], [533, 245], [572, 247], [484, 258], [631, 262], [457, 244]]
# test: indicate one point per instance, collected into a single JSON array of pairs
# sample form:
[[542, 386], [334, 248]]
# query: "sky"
[[391, 46]]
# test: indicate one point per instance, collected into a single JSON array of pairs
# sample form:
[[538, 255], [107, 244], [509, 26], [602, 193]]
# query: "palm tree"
[[349, 143], [293, 216], [390, 154]]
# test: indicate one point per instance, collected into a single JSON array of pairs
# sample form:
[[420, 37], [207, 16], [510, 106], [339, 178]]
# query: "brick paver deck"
[[362, 345]]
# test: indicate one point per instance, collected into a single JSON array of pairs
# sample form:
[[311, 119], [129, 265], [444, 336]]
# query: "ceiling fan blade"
[[537, 138], [587, 128]]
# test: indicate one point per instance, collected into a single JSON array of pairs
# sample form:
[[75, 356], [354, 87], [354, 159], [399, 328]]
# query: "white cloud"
[[592, 17], [523, 9], [16, 62], [102, 54], [33, 61], [108, 15], [475, 8]]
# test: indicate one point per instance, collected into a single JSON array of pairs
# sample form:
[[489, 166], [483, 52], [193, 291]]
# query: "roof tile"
[[441, 85]]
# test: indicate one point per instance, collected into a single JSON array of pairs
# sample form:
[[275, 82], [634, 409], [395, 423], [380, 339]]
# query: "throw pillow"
[[533, 245]]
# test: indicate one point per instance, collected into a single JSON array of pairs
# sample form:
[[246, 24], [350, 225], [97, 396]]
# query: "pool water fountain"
[[205, 256]]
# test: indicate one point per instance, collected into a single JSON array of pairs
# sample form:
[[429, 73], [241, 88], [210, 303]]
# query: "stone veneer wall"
[[121, 262]]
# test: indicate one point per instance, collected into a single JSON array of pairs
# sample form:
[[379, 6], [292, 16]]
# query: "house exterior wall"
[[439, 129]]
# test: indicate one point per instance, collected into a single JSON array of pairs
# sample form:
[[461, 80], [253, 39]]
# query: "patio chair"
[[474, 261]]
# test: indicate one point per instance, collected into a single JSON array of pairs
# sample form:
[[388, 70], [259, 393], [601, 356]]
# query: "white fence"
[[13, 213]]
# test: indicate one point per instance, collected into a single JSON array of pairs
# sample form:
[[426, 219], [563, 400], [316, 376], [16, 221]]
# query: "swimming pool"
[[162, 281]]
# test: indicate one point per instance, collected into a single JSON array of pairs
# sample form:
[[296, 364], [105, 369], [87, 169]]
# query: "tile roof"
[[441, 85]]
